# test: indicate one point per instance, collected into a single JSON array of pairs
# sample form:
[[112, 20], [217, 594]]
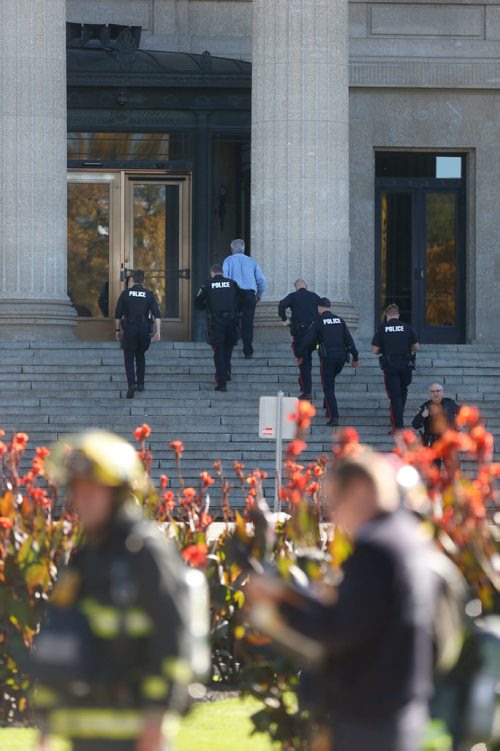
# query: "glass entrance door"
[[121, 221], [421, 266]]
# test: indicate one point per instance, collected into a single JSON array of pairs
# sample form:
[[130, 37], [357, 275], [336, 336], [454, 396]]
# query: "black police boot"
[[228, 376], [131, 392], [333, 423], [305, 396], [223, 387], [140, 387]]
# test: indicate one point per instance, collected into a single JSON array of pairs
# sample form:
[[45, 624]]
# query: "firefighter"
[[111, 662]]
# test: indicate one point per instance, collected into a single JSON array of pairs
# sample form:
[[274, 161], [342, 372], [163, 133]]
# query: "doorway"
[[420, 242], [119, 221]]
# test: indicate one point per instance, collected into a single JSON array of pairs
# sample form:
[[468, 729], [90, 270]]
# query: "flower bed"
[[33, 544]]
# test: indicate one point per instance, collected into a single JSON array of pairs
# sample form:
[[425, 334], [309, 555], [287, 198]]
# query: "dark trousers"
[[223, 336], [135, 343], [248, 305], [402, 731], [330, 367], [397, 376], [303, 345]]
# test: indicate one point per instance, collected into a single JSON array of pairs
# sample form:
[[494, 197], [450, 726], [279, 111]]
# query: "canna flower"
[[164, 480], [5, 522], [195, 555], [177, 447], [296, 447], [467, 416], [19, 442], [142, 432], [206, 479]]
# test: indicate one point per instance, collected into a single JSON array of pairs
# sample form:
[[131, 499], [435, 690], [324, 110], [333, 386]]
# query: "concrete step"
[[50, 389]]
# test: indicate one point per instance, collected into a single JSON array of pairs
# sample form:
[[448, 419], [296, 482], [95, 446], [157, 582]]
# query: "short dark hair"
[[138, 276], [216, 269]]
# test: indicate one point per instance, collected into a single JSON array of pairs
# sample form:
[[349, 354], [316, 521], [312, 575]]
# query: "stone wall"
[[433, 120], [223, 27]]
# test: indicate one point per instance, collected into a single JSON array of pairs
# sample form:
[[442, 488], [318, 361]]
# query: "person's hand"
[[287, 322], [257, 298], [355, 363], [118, 335], [299, 360], [151, 737], [425, 412], [156, 337]]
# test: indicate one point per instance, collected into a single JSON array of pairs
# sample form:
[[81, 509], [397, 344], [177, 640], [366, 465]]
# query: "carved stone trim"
[[434, 73]]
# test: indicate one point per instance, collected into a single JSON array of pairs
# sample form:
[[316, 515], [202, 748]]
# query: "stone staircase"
[[51, 389]]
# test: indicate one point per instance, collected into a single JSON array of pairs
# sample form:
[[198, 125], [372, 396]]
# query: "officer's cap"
[[100, 456], [325, 303]]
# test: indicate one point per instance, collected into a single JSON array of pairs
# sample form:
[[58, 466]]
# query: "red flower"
[[349, 435], [306, 409], [468, 416], [142, 433], [169, 500], [177, 447], [189, 494], [42, 452], [195, 555], [164, 481], [206, 479], [19, 441], [5, 522], [296, 447]]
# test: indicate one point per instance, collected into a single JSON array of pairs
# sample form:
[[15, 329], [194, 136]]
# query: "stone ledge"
[[431, 73], [36, 320]]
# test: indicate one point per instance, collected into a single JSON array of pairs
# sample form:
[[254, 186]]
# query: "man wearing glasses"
[[436, 414]]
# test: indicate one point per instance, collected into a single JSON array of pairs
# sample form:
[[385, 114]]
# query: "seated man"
[[436, 415]]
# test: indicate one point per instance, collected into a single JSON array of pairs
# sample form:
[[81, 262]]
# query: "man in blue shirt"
[[247, 274]]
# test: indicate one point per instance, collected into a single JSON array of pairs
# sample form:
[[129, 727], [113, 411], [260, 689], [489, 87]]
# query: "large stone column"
[[300, 151], [33, 300]]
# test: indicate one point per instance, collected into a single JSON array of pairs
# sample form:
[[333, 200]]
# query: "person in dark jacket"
[[435, 415], [222, 299], [335, 345], [135, 309], [303, 305], [396, 342], [374, 679], [116, 662]]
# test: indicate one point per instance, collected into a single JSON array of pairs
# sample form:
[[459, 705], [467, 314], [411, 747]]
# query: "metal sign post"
[[279, 452], [274, 422]]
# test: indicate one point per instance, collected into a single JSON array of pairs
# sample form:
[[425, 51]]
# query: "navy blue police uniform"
[[395, 340], [440, 417], [335, 343], [221, 297], [304, 307], [134, 308]]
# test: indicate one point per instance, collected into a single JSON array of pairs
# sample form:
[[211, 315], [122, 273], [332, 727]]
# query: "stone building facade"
[[375, 160]]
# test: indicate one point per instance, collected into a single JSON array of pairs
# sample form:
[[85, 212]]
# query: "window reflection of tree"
[[88, 245], [440, 259], [150, 236]]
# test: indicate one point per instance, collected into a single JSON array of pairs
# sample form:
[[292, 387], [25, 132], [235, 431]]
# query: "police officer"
[[222, 299], [395, 342], [435, 415], [133, 313], [335, 343], [112, 656], [304, 307]]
